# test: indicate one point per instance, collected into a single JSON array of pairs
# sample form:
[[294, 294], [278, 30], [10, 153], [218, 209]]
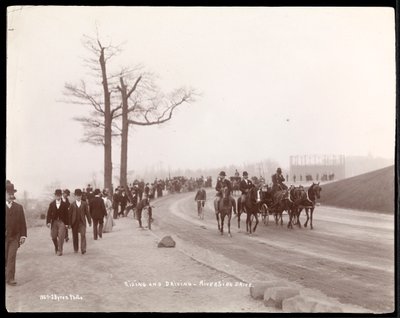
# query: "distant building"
[[317, 167]]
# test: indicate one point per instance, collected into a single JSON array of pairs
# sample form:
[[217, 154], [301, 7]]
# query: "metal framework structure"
[[317, 167]]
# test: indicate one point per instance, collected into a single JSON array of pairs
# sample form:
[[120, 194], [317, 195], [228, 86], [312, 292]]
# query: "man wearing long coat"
[[15, 232], [78, 213]]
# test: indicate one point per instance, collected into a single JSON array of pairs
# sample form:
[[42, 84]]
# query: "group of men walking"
[[63, 215]]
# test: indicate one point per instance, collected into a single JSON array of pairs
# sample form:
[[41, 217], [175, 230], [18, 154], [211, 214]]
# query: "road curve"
[[349, 255]]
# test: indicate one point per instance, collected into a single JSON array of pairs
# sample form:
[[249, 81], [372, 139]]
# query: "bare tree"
[[99, 126], [144, 105]]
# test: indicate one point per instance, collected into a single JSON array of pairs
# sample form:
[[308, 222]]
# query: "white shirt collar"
[[9, 204], [78, 203]]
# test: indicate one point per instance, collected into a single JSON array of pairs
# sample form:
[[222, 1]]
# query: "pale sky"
[[274, 82]]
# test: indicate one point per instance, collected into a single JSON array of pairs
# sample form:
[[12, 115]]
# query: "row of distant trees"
[[119, 100]]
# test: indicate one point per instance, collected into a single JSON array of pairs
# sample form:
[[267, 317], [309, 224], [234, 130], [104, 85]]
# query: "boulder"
[[274, 296], [299, 304], [324, 307], [258, 288], [166, 241]]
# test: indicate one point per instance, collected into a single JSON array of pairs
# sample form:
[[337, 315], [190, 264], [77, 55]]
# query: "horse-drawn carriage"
[[265, 203]]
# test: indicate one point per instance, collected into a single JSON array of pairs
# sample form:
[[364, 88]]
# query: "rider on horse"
[[245, 186], [221, 184], [277, 181], [277, 184]]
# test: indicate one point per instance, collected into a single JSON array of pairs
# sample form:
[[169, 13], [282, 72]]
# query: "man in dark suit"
[[221, 184], [115, 203], [97, 212], [78, 213], [277, 181], [145, 202], [15, 232], [141, 189], [57, 220], [123, 201], [200, 198], [64, 197], [245, 185]]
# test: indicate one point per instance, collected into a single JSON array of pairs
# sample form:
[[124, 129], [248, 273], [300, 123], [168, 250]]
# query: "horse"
[[280, 204], [223, 207], [296, 196], [251, 207], [313, 193]]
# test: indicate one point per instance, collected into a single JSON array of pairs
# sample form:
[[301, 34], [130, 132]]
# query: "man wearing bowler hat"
[[15, 232], [57, 220], [97, 212], [245, 186], [78, 213], [221, 184]]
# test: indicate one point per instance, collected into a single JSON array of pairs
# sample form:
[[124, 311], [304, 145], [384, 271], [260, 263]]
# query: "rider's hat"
[[222, 174], [279, 170], [245, 173]]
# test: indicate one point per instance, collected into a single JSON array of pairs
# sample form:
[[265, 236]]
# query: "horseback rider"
[[245, 186], [221, 184], [277, 181], [277, 184]]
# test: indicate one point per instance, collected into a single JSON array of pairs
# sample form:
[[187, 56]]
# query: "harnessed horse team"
[[264, 201]]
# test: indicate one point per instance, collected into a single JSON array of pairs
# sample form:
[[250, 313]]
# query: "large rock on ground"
[[257, 289], [166, 241], [274, 296], [323, 307], [299, 304]]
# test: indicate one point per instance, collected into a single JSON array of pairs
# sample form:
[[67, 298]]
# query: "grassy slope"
[[373, 191]]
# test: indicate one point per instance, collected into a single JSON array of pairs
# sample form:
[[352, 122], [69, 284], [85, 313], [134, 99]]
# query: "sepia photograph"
[[200, 159]]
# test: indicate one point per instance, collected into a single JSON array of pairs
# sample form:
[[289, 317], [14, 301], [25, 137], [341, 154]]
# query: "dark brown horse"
[[251, 207], [281, 202], [312, 194], [296, 197], [223, 207]]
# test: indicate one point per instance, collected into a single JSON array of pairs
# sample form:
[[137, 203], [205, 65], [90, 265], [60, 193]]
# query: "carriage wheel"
[[264, 214]]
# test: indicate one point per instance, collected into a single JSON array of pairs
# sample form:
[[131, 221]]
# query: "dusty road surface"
[[348, 258], [115, 276]]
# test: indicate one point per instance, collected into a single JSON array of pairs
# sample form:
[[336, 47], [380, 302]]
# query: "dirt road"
[[123, 272], [349, 255]]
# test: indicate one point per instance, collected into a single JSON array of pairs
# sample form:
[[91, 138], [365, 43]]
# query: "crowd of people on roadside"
[[101, 208]]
